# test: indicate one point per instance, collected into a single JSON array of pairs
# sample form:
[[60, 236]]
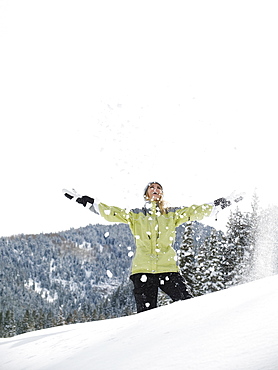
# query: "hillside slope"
[[232, 329]]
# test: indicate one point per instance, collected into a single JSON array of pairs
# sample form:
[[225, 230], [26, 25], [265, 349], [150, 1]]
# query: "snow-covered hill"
[[232, 329]]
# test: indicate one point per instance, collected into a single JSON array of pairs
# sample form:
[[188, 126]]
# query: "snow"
[[144, 278], [232, 329], [109, 274]]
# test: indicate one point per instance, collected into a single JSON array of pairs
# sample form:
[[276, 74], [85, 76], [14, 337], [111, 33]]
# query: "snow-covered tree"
[[237, 251], [202, 266], [9, 325], [208, 265], [1, 325], [213, 279], [186, 258], [61, 319]]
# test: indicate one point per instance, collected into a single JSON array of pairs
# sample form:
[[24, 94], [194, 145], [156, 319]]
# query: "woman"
[[153, 226]]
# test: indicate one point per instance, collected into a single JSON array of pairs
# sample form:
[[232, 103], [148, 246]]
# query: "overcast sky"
[[105, 96]]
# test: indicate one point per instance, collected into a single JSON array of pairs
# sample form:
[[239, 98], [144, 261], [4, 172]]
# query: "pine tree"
[[75, 317], [27, 323], [69, 319], [238, 248], [60, 320], [253, 237], [213, 279], [50, 320], [41, 323], [200, 267], [1, 325], [9, 326], [94, 316], [86, 312], [186, 258]]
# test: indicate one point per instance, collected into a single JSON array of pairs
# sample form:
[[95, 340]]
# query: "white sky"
[[105, 96]]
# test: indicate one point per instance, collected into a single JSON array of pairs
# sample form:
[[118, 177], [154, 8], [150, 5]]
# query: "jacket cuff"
[[95, 207]]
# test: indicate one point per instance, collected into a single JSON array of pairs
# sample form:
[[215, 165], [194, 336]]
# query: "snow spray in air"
[[266, 245]]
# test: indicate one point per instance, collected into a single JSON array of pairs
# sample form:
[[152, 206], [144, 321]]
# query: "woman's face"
[[154, 192]]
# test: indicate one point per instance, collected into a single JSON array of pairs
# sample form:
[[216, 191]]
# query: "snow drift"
[[232, 329]]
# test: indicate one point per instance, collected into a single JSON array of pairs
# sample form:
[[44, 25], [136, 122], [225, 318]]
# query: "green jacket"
[[154, 233]]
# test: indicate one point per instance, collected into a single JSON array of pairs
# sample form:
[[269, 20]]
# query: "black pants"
[[146, 288]]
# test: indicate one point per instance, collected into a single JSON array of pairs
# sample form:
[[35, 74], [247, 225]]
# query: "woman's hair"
[[162, 206]]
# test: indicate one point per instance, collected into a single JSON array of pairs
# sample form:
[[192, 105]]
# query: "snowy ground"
[[235, 329]]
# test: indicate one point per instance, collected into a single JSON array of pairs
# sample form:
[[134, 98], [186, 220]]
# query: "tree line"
[[118, 304], [233, 258]]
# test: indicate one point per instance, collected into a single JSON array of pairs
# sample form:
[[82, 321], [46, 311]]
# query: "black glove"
[[84, 200], [222, 202]]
